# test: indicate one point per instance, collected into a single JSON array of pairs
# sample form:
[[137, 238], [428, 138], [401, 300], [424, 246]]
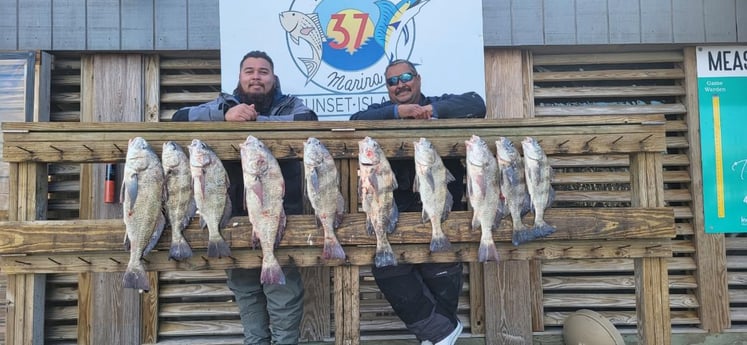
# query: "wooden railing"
[[30, 246]]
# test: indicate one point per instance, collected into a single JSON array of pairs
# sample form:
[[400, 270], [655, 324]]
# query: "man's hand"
[[241, 112], [414, 111]]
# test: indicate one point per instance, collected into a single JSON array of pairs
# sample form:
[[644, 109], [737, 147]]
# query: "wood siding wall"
[[90, 25]]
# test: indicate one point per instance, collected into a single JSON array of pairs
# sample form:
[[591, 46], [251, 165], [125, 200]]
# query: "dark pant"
[[424, 296]]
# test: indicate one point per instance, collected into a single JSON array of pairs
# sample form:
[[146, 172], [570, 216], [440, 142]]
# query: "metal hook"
[[29, 151], [89, 149], [112, 259], [646, 138], [618, 139], [55, 261], [563, 143], [235, 148], [84, 260], [58, 150], [590, 140], [22, 262], [120, 150]]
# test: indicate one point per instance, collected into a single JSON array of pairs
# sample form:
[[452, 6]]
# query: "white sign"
[[332, 53], [722, 61]]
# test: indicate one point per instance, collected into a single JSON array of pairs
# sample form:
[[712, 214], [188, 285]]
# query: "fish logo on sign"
[[344, 48]]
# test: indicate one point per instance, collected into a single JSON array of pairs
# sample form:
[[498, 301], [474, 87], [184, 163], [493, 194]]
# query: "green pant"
[[270, 314]]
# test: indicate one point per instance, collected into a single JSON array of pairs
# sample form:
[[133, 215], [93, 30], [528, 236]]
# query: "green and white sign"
[[722, 94]]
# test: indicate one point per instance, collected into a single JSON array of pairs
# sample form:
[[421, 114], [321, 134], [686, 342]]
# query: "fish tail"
[[385, 258], [272, 273], [135, 277], [332, 249], [542, 229], [487, 251], [180, 250], [392, 221], [440, 244], [218, 248], [522, 236]]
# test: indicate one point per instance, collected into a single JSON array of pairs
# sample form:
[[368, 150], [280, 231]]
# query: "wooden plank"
[[720, 25], [512, 323], [35, 17], [477, 308], [526, 17], [688, 21], [711, 273], [656, 22], [103, 25], [203, 30], [150, 310], [610, 74], [610, 91], [559, 18], [573, 223], [85, 312], [652, 306], [602, 58], [610, 109], [624, 318], [69, 24], [527, 70], [42, 87], [137, 26], [612, 300], [356, 255], [8, 25], [152, 88], [171, 25], [592, 26], [606, 282], [624, 22], [315, 324], [503, 69], [536, 291], [497, 15]]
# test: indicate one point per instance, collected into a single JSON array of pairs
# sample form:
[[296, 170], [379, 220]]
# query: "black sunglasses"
[[404, 77]]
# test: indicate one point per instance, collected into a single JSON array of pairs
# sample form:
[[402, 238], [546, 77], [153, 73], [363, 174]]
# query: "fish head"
[[138, 153], [425, 152], [172, 154], [505, 150], [200, 154], [290, 20], [314, 152], [369, 151], [254, 156], [478, 153], [532, 148]]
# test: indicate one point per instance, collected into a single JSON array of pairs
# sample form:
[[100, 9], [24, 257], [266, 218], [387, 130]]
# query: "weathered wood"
[[477, 298], [150, 310], [95, 235], [506, 99], [315, 324], [537, 295], [508, 317], [347, 315], [710, 249]]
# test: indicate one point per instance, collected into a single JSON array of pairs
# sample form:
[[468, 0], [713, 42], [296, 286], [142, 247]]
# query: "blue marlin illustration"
[[307, 27], [393, 21]]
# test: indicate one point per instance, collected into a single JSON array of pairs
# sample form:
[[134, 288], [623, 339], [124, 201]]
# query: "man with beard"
[[269, 313], [424, 296]]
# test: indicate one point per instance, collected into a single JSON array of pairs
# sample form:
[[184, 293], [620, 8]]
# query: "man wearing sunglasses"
[[424, 296]]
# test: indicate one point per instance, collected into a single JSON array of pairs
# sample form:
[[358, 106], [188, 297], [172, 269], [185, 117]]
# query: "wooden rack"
[[30, 246]]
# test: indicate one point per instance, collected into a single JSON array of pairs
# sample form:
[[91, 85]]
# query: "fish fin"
[[385, 257], [416, 184], [369, 227], [218, 248], [272, 274], [156, 235], [122, 190], [281, 228], [332, 249], [126, 243], [180, 250], [550, 197], [522, 236], [476, 224], [374, 182], [487, 251], [449, 177], [203, 223], [294, 38], [440, 244], [191, 212], [429, 179], [386, 12], [201, 181], [447, 206], [227, 212], [340, 211], [318, 25], [314, 179], [424, 216], [542, 230], [526, 205], [312, 65], [257, 189], [135, 277], [132, 191], [392, 220]]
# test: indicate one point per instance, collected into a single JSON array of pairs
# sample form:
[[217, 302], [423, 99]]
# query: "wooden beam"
[[509, 318], [81, 236], [710, 249]]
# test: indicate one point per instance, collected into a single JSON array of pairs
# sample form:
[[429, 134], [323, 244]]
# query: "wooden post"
[[508, 300], [651, 275], [112, 91], [347, 305], [710, 249], [25, 293]]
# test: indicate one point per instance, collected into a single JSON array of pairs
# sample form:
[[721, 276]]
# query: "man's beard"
[[262, 101]]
